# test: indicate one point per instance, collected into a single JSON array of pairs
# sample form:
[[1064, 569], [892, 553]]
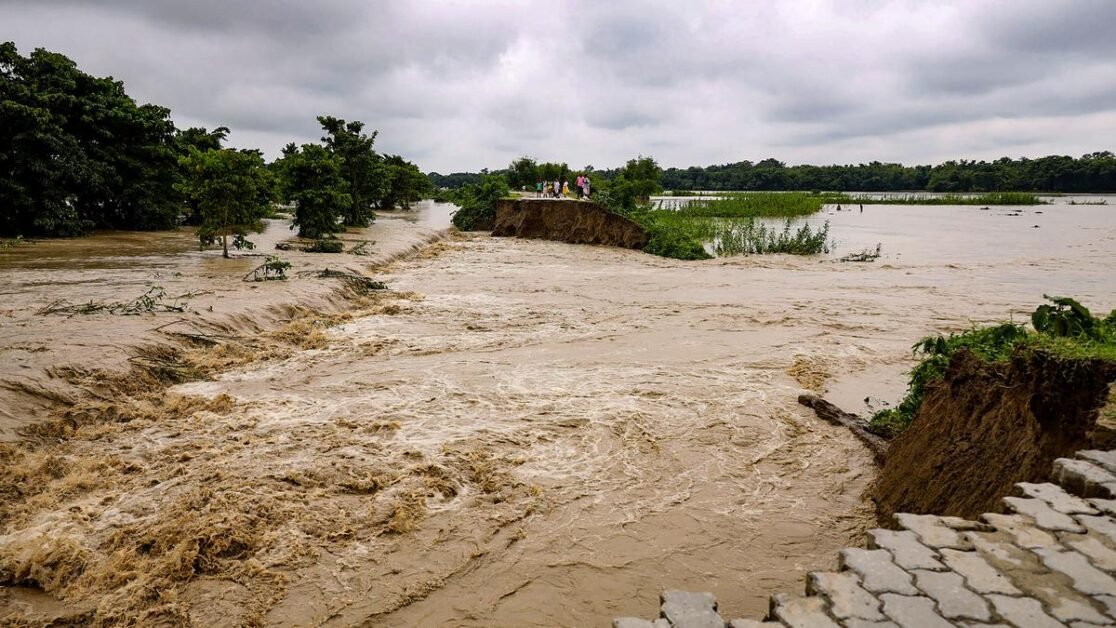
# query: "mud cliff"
[[577, 222], [985, 427]]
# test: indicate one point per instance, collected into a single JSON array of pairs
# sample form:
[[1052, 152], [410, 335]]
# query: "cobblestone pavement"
[[1049, 561]]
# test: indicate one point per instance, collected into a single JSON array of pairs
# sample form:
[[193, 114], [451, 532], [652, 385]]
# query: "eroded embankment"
[[576, 222], [986, 426]]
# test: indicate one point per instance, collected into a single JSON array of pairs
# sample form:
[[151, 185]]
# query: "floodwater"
[[545, 434]]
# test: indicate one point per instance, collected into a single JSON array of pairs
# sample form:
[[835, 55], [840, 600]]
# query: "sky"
[[464, 85]]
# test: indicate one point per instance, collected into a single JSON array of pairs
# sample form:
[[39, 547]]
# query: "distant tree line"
[[1095, 172], [78, 154]]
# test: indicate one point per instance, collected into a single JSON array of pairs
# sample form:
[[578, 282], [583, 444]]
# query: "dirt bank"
[[985, 427], [576, 222]]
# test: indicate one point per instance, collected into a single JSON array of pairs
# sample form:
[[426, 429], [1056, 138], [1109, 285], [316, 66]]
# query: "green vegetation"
[[477, 203], [755, 205], [1094, 172], [231, 190], [77, 154], [991, 198], [273, 269], [1064, 328], [360, 166], [313, 182], [749, 237], [154, 300]]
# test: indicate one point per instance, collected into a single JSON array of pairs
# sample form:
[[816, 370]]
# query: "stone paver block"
[[979, 575], [690, 610], [1108, 602], [912, 612], [801, 612], [1096, 551], [1103, 527], [907, 551], [1001, 554], [877, 572], [1105, 459], [1086, 578], [752, 623], [862, 623], [1024, 530], [1106, 506], [1085, 479], [847, 599], [1068, 608], [954, 600], [1057, 498], [1084, 624], [932, 530], [1023, 611], [1045, 516]]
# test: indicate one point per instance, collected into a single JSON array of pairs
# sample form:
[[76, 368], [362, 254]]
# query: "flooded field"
[[520, 433]]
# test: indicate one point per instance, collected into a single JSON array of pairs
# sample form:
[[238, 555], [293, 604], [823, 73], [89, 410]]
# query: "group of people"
[[560, 189]]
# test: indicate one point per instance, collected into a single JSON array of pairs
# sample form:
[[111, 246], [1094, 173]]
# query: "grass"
[[990, 198], [755, 205], [730, 225], [749, 237], [1065, 329]]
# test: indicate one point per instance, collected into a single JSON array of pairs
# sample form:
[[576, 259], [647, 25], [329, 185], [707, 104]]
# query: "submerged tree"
[[232, 190], [315, 185], [406, 183], [363, 170]]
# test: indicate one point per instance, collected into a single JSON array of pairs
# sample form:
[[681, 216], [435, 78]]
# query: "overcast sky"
[[461, 85]]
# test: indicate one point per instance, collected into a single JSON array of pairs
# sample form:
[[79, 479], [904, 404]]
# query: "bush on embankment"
[[477, 203], [1063, 328]]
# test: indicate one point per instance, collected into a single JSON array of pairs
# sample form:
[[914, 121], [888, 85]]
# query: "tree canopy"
[[232, 190], [78, 154]]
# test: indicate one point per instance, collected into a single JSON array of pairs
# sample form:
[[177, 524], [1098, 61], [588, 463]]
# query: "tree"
[[315, 185], [523, 172], [232, 190], [362, 169], [77, 153], [634, 184], [406, 183], [477, 203]]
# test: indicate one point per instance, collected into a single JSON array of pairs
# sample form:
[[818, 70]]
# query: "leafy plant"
[[1064, 328], [1065, 318], [477, 203], [273, 269]]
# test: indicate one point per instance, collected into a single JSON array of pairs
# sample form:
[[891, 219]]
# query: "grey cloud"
[[464, 85]]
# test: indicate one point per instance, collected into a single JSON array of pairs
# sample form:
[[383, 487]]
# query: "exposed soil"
[[985, 427], [576, 222]]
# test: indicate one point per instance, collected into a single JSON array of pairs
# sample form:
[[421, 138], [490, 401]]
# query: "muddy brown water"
[[553, 433]]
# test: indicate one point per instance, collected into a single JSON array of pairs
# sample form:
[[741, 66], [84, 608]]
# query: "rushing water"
[[584, 426]]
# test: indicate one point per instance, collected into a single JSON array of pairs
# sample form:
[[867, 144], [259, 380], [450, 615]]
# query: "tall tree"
[[318, 190], [76, 152], [406, 183], [362, 168], [232, 190]]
